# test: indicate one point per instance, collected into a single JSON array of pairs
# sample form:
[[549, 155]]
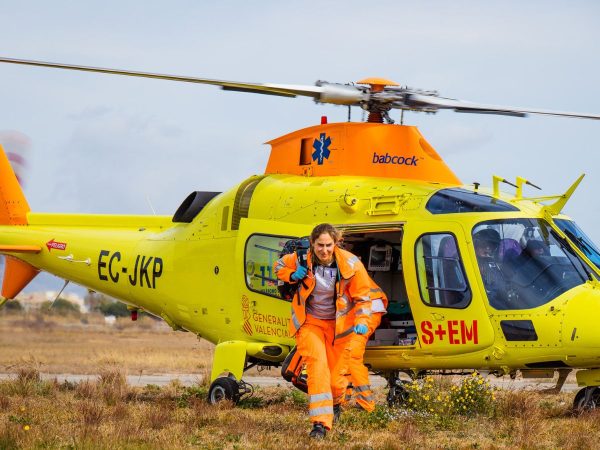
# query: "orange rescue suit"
[[353, 301], [322, 343], [358, 374]]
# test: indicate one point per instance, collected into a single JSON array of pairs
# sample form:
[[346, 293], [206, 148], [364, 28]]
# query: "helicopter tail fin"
[[13, 211], [13, 205]]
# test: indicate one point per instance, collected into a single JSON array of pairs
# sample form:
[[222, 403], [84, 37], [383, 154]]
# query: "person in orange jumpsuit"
[[331, 304], [357, 378]]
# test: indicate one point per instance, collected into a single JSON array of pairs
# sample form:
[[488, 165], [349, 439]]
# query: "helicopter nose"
[[582, 318]]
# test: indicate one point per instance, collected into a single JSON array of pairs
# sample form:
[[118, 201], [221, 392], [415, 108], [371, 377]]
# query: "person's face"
[[484, 249], [537, 251], [323, 248]]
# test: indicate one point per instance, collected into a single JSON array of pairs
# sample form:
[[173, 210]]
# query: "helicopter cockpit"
[[524, 263]]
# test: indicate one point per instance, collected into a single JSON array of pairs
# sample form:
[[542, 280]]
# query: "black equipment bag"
[[300, 246], [293, 370]]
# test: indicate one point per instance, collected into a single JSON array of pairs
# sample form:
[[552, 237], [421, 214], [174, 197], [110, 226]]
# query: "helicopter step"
[[232, 359]]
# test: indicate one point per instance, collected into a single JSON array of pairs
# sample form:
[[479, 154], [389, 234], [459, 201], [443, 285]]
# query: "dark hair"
[[325, 228], [488, 235]]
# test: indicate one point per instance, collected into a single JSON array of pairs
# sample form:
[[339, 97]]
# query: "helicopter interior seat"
[[509, 249], [509, 254], [447, 271]]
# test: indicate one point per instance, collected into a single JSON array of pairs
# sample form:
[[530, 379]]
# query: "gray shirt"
[[321, 303]]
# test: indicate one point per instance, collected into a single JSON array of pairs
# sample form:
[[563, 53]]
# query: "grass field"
[[67, 345], [108, 413]]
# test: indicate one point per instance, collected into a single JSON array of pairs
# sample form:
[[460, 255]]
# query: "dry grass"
[[63, 345], [108, 413], [67, 345], [54, 415]]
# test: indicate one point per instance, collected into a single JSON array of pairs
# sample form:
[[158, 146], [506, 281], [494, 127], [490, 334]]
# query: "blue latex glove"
[[361, 329], [299, 273]]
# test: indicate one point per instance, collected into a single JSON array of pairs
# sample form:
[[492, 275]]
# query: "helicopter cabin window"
[[440, 272], [580, 239], [457, 200], [261, 253], [524, 263], [380, 252]]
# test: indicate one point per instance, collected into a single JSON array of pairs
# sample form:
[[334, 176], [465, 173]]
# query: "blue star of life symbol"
[[321, 147]]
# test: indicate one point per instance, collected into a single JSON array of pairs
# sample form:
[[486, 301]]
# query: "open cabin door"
[[448, 310], [379, 247]]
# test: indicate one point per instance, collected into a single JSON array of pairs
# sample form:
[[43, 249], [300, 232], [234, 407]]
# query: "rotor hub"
[[378, 110]]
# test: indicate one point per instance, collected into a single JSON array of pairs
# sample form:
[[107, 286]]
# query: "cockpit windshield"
[[524, 263], [584, 243]]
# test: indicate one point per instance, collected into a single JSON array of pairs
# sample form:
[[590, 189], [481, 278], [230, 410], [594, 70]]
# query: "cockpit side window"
[[579, 238], [456, 200], [524, 263], [440, 272]]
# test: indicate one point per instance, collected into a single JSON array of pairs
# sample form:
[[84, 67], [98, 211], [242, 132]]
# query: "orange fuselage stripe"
[[20, 248]]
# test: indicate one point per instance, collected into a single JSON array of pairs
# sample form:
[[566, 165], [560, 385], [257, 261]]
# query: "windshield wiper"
[[582, 243], [565, 245]]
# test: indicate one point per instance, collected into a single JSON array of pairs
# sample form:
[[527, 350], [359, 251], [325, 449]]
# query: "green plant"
[[434, 397], [117, 309], [60, 307], [474, 395], [298, 397], [13, 305], [186, 394]]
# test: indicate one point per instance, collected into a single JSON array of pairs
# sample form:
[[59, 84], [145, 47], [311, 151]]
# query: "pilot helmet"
[[488, 237]]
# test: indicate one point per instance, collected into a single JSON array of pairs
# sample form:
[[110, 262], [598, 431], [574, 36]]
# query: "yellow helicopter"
[[477, 279]]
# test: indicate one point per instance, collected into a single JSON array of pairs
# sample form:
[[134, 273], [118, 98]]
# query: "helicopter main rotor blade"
[[434, 102], [373, 100], [325, 93]]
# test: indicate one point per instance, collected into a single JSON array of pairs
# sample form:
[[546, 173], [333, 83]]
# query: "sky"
[[108, 144]]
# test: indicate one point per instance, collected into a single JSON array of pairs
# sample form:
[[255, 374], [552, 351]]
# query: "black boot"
[[337, 412], [318, 431]]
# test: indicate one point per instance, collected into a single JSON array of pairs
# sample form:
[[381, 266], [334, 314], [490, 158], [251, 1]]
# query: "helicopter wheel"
[[398, 394], [587, 399], [222, 389]]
